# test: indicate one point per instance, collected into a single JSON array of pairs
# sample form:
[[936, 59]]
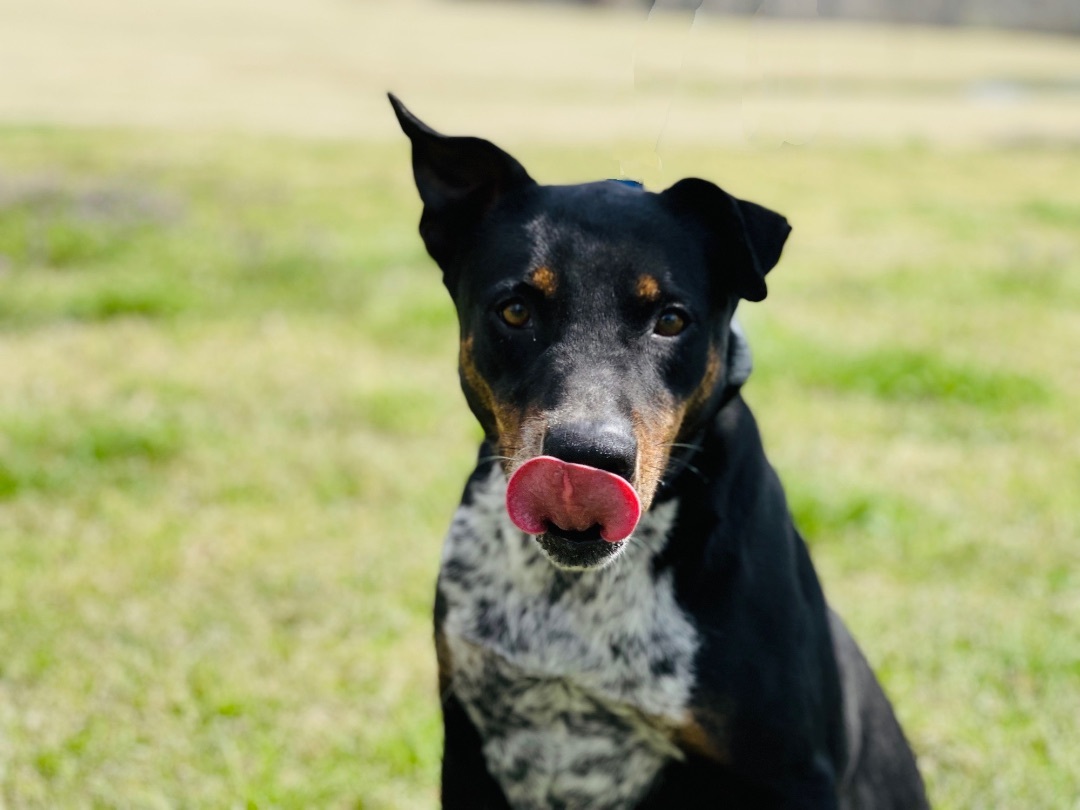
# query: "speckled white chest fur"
[[574, 679]]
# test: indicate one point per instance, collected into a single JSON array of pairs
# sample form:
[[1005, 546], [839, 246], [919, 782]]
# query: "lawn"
[[231, 438]]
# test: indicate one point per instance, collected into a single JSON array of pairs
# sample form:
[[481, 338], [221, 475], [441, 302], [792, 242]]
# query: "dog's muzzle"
[[548, 493]]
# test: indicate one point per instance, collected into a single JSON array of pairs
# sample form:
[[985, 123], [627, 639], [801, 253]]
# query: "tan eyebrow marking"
[[545, 280], [648, 288]]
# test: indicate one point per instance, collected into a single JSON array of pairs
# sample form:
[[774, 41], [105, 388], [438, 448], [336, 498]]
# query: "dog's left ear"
[[744, 238], [459, 180]]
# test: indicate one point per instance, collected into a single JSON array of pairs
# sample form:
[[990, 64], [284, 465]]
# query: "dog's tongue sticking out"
[[573, 497]]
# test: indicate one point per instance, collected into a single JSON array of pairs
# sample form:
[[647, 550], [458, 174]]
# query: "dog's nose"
[[605, 445]]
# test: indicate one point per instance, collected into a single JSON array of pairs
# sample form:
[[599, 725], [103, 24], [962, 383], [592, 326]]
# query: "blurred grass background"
[[230, 431]]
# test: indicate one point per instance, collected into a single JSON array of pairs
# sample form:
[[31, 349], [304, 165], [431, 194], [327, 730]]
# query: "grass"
[[231, 439], [225, 468], [216, 582]]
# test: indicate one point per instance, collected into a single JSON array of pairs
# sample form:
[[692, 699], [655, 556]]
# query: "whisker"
[[639, 540], [686, 465], [484, 459], [649, 545], [684, 444]]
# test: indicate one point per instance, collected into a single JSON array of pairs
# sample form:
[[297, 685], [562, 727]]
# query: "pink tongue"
[[574, 497]]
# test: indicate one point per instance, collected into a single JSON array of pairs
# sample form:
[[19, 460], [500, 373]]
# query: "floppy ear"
[[744, 239], [459, 179]]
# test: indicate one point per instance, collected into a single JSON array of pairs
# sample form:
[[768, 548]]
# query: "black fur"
[[775, 705]]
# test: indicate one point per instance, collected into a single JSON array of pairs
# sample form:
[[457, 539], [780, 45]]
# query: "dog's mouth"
[[572, 502], [589, 535]]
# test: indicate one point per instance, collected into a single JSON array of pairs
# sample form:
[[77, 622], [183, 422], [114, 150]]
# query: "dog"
[[625, 614]]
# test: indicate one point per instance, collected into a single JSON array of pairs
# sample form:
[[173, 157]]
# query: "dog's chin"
[[578, 551]]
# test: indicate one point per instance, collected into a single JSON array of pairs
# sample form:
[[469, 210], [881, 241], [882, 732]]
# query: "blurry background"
[[230, 431]]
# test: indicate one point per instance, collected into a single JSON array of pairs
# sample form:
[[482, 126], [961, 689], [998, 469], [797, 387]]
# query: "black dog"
[[631, 620]]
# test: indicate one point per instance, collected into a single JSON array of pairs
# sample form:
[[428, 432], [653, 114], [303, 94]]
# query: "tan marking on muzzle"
[[518, 431], [659, 428], [654, 431], [703, 393]]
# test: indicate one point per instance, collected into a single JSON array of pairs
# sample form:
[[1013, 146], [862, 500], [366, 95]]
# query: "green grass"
[[231, 436], [230, 440]]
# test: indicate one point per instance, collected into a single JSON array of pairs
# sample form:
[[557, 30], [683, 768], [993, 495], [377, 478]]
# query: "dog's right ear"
[[459, 180], [744, 239]]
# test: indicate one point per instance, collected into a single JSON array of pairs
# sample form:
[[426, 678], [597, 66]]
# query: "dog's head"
[[596, 338]]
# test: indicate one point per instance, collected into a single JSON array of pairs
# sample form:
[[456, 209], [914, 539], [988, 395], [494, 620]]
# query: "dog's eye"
[[670, 323], [514, 313]]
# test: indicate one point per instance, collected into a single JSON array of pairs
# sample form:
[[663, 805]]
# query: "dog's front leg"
[[466, 782]]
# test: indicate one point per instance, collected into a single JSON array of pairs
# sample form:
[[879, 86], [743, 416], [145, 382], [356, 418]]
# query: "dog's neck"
[[717, 447], [726, 489]]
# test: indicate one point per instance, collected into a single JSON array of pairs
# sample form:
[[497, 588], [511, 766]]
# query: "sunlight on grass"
[[221, 518], [231, 434]]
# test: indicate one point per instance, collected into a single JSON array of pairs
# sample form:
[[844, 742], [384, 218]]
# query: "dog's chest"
[[575, 680]]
